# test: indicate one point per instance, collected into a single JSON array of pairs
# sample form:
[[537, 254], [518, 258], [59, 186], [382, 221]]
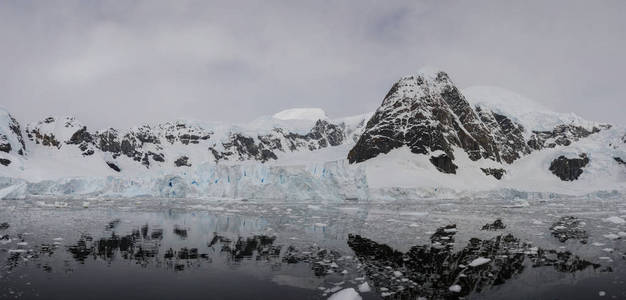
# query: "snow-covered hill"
[[428, 138]]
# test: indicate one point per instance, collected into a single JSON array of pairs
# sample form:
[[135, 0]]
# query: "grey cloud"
[[120, 63]]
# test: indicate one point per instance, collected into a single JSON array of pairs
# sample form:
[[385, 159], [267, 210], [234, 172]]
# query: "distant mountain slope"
[[427, 139]]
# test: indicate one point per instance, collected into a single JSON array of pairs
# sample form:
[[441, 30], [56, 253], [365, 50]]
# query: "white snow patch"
[[615, 220], [364, 287], [346, 294], [311, 114], [455, 288], [479, 261]]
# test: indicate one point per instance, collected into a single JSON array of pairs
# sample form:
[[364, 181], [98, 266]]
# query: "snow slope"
[[531, 114]]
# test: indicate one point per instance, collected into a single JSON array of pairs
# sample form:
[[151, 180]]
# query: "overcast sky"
[[121, 63]]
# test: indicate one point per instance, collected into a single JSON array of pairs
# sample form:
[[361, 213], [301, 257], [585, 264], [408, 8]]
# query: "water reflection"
[[178, 243], [439, 272]]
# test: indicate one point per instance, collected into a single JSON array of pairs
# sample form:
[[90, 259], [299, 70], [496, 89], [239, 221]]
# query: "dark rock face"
[[182, 161], [569, 227], [84, 140], [562, 135], [322, 135], [245, 147], [496, 225], [5, 146], [425, 114], [4, 226], [620, 161], [264, 147], [114, 166], [497, 173], [16, 131], [4, 162], [430, 271], [569, 169], [108, 141], [508, 135], [444, 164], [39, 137]]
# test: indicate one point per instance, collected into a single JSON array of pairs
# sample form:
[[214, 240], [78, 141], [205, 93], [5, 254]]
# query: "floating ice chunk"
[[320, 224], [346, 294], [598, 244], [615, 220], [601, 293], [60, 204], [17, 251], [455, 288], [479, 261], [22, 244], [397, 273], [364, 287], [611, 236], [333, 289], [57, 239]]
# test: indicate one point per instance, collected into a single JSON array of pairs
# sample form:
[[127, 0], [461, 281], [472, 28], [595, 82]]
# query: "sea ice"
[[479, 261]]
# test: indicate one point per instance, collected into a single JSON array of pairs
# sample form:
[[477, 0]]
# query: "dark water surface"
[[193, 249]]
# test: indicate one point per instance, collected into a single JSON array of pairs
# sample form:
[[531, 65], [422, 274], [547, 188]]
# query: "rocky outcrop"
[[425, 113], [113, 166], [84, 140], [4, 162], [322, 135], [496, 225], [11, 139], [244, 148], [620, 161], [569, 169], [41, 134], [444, 163], [495, 172], [5, 145], [265, 147], [562, 135], [182, 161], [507, 134]]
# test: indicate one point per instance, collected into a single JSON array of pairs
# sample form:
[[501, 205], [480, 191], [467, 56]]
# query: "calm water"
[[194, 249]]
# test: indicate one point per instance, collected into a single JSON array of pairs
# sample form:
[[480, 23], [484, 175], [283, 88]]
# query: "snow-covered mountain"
[[428, 138]]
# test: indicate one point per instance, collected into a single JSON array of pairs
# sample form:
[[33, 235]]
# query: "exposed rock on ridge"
[[426, 113], [569, 169]]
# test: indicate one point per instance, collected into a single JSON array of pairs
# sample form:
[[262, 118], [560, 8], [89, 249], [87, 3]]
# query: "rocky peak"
[[426, 113]]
